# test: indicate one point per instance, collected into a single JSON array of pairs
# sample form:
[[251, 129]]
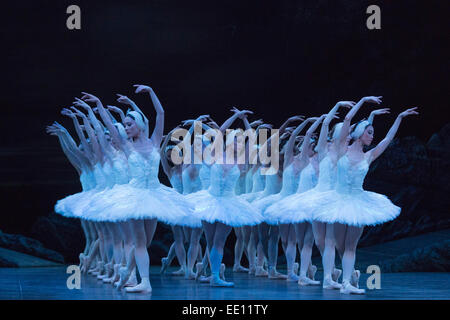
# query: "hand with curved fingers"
[[142, 88], [89, 97], [124, 99], [409, 112]]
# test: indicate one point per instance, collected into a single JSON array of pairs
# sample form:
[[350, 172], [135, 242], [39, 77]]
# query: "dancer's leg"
[[348, 260], [194, 245], [220, 236], [305, 238], [289, 240]]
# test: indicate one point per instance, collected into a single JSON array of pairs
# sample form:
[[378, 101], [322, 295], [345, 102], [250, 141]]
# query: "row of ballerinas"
[[316, 195]]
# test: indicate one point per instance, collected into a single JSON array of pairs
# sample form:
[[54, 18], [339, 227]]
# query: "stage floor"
[[49, 283]]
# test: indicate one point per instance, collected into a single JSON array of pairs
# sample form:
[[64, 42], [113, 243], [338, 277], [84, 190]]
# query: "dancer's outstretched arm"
[[116, 110], [342, 147], [376, 113], [303, 157], [322, 142], [233, 118], [125, 100], [379, 149], [98, 128], [115, 136], [158, 131], [87, 147], [92, 137], [289, 150], [284, 126], [56, 131]]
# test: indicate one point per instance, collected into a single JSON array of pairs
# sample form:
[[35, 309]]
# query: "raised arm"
[[74, 161], [106, 117], [322, 142], [376, 113], [348, 118], [289, 149], [92, 137], [303, 157], [379, 149], [127, 101], [158, 131], [116, 110], [288, 121], [79, 131]]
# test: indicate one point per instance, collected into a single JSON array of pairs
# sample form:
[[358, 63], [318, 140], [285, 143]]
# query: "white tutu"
[[230, 210], [359, 208], [287, 210], [252, 196], [264, 203], [72, 206], [124, 202]]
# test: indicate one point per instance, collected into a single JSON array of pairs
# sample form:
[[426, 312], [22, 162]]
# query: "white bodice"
[[259, 181], [308, 179], [240, 186], [350, 177], [99, 176], [177, 182], [120, 168], [144, 170], [273, 184], [205, 176], [327, 175], [191, 183], [290, 180], [223, 183], [87, 180]]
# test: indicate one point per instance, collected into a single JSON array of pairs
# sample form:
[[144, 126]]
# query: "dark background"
[[277, 58]]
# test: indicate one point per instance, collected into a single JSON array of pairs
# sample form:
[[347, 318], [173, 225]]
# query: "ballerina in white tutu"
[[144, 200], [218, 207], [81, 159], [349, 207]]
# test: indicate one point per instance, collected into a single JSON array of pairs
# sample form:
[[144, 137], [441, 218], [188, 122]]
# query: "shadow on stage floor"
[[50, 283]]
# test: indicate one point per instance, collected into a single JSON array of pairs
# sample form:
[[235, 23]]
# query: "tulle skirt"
[[287, 210], [359, 208], [73, 206], [252, 196], [230, 210], [263, 204], [125, 202]]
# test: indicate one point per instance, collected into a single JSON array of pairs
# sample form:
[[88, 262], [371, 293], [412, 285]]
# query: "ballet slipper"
[[260, 272], [292, 277], [198, 269], [312, 272], [179, 273], [347, 288], [132, 280], [222, 271], [189, 275], [296, 267], [109, 269], [239, 268], [204, 279], [305, 281], [275, 275], [354, 279], [115, 275], [217, 282], [252, 269], [101, 269], [124, 275], [143, 287], [330, 284], [164, 265], [336, 274]]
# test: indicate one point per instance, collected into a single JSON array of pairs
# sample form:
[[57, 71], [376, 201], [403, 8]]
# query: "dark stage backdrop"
[[277, 58]]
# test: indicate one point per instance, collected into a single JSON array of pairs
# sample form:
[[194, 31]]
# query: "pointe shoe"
[[330, 284], [143, 287], [295, 268], [100, 270], [251, 270], [312, 272], [217, 282], [164, 265], [305, 281], [222, 271], [198, 270], [354, 279], [275, 275], [347, 288], [115, 275], [336, 274], [292, 277], [239, 268], [260, 272], [179, 273], [204, 279], [109, 269], [124, 275], [189, 275]]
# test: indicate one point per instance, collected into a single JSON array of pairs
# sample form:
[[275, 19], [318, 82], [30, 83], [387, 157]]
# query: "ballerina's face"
[[367, 136], [131, 127]]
